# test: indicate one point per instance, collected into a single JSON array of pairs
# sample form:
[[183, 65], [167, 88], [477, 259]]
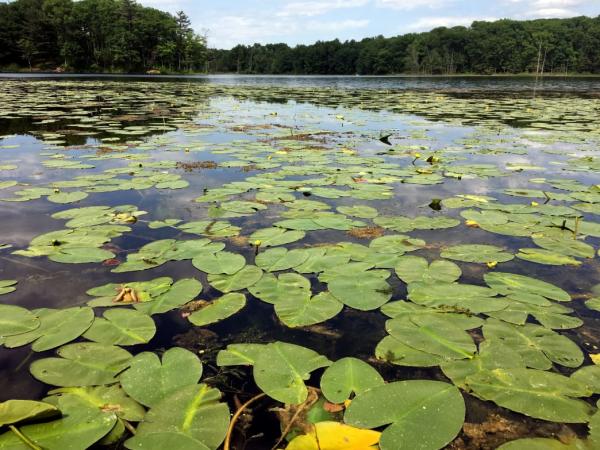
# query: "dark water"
[[561, 84], [219, 118]]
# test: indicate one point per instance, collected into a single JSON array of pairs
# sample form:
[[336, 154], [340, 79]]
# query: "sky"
[[232, 22]]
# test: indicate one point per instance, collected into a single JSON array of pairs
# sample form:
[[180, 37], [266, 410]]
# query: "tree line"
[[97, 36], [504, 46]]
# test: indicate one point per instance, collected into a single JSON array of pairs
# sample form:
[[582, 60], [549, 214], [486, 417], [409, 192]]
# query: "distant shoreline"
[[287, 75]]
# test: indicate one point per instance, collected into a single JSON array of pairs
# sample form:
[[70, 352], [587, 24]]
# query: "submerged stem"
[[28, 442], [235, 417]]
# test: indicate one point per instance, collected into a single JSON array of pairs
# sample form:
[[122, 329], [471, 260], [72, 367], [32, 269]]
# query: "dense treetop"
[[97, 36], [123, 36], [504, 46]]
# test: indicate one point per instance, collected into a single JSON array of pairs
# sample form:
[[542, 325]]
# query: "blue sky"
[[231, 22]]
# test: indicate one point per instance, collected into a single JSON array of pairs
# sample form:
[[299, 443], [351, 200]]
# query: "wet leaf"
[[190, 414], [335, 436], [410, 407], [122, 327], [347, 376], [218, 309], [149, 380], [84, 364]]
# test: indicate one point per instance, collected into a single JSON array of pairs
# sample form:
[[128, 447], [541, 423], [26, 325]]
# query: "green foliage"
[[503, 46], [97, 35]]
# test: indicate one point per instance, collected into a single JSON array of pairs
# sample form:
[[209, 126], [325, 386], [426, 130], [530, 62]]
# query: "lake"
[[402, 244]]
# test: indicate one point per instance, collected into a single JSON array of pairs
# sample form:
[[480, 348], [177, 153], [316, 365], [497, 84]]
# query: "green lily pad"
[[477, 254], [180, 293], [510, 283], [15, 411], [67, 197], [57, 327], [281, 369], [7, 286], [220, 263], [150, 380], [84, 364], [280, 258], [535, 393], [16, 320], [272, 237], [411, 269], [122, 327], [538, 346], [80, 427], [242, 279], [190, 414], [546, 257], [303, 311], [364, 292], [286, 287], [410, 407], [347, 376], [433, 334], [219, 309]]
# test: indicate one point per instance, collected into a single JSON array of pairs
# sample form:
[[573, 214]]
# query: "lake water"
[[367, 178]]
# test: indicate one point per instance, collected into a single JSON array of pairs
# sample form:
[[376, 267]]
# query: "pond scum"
[[195, 266]]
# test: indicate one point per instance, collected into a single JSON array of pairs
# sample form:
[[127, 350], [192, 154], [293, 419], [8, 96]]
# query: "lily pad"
[[347, 376], [477, 254], [219, 309], [57, 327], [242, 279], [190, 414], [410, 407], [220, 263], [150, 380], [84, 364], [122, 327]]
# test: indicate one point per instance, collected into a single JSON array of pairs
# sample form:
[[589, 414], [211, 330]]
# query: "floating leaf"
[[150, 380], [365, 292], [477, 254], [57, 327], [220, 263], [535, 393], [84, 364], [302, 311], [242, 279], [411, 269], [219, 309], [335, 436], [433, 334], [410, 407], [538, 346], [192, 414], [271, 237], [280, 258], [510, 283], [347, 376], [17, 320], [79, 428], [15, 411], [7, 286], [178, 295], [547, 257], [122, 327]]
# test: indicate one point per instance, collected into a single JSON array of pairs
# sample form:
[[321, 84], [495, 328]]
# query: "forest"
[[505, 46], [124, 36], [97, 36]]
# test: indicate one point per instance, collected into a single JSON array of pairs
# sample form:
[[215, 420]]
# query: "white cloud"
[[318, 7], [428, 23], [407, 5], [332, 26]]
